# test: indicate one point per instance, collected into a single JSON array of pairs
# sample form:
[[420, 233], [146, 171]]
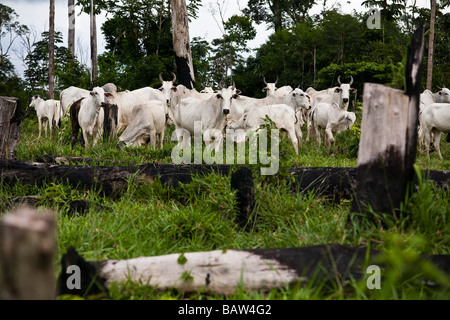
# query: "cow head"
[[299, 99], [226, 96], [270, 88], [98, 95], [34, 101], [344, 90], [167, 87], [444, 93]]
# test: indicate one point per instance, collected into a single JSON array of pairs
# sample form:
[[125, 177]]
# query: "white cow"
[[271, 88], [127, 100], [69, 96], [255, 116], [148, 121], [48, 113], [91, 115], [331, 118], [210, 114], [339, 96], [434, 119]]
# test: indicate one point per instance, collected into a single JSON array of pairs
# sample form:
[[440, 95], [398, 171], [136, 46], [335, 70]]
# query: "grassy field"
[[151, 219]]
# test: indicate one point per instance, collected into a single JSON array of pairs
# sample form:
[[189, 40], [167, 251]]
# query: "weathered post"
[[387, 148], [242, 182], [10, 126], [27, 248]]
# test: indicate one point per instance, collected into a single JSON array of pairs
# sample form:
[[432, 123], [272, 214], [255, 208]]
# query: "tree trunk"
[[93, 46], [27, 249], [181, 43], [71, 33], [51, 52], [10, 126], [431, 46]]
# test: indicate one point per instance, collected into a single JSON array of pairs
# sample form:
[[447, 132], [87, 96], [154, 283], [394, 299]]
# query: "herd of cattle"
[[141, 116]]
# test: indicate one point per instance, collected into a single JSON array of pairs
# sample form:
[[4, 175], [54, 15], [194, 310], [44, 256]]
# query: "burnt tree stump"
[[27, 243], [10, 126], [242, 182], [387, 148]]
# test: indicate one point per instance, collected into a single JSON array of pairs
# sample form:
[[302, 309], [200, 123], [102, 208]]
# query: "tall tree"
[[279, 14], [71, 32], [94, 58], [51, 54], [181, 43], [431, 45]]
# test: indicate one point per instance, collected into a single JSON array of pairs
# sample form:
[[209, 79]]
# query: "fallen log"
[[331, 183], [224, 271]]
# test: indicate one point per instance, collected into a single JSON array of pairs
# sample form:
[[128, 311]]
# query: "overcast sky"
[[35, 14]]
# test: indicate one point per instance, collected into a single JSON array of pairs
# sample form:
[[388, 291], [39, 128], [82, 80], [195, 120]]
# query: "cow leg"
[[437, 142], [329, 136], [427, 134], [317, 132], [40, 127], [293, 137], [153, 139]]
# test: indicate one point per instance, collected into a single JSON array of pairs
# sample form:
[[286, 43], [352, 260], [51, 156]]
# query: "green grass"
[[151, 219]]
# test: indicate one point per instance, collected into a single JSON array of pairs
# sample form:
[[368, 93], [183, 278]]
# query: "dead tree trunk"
[[181, 43], [387, 148], [93, 46], [71, 32], [51, 50], [10, 126], [27, 255]]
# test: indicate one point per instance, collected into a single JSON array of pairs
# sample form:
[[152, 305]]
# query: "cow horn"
[[351, 80], [439, 87], [161, 78], [221, 84], [276, 81], [234, 85], [339, 80], [265, 82], [203, 86], [174, 77]]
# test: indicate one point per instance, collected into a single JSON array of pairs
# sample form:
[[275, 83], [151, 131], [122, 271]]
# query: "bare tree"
[[93, 46], [431, 45], [51, 49], [71, 33], [181, 43]]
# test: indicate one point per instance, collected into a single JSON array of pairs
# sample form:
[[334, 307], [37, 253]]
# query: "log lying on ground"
[[111, 180], [334, 183], [222, 272]]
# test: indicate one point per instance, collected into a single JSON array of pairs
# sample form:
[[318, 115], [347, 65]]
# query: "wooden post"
[[242, 182], [10, 126], [387, 148], [27, 247]]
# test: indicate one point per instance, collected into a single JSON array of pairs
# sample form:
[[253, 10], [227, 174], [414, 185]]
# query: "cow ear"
[[174, 89], [264, 89], [108, 94], [440, 93], [92, 93], [218, 96], [309, 98], [353, 90], [337, 90], [238, 91]]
